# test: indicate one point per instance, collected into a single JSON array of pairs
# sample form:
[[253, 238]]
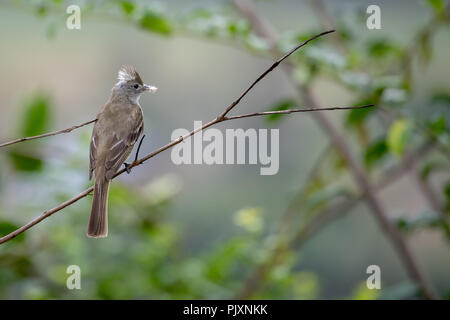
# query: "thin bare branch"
[[272, 67], [54, 133], [45, 215], [267, 113]]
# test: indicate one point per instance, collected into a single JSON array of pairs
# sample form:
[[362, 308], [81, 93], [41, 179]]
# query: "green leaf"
[[305, 285], [441, 98], [381, 48], [447, 196], [447, 190], [24, 162], [37, 116], [250, 219], [345, 32], [358, 116], [425, 219], [300, 37], [438, 126], [426, 49], [437, 5], [127, 7], [279, 106], [7, 227], [222, 260], [399, 136], [200, 13], [362, 292], [402, 224], [156, 22], [375, 152], [239, 28], [41, 10], [428, 168]]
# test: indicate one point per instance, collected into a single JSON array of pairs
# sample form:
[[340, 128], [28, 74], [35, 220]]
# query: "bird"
[[119, 125]]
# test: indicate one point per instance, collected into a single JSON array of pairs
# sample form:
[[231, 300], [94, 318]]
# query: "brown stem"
[[45, 215], [266, 113], [54, 133], [272, 67]]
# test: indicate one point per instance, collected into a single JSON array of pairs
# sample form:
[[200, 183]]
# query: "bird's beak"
[[150, 88]]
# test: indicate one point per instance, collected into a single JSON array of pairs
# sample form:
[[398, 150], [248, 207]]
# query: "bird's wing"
[[122, 144], [92, 154]]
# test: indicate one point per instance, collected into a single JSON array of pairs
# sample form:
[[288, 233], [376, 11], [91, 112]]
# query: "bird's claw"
[[127, 167]]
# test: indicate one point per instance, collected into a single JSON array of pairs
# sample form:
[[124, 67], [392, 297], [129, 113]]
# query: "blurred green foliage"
[[36, 119], [279, 106], [152, 21], [399, 135]]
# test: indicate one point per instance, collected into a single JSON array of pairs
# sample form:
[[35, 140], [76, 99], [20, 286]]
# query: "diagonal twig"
[[54, 133], [273, 66], [289, 111]]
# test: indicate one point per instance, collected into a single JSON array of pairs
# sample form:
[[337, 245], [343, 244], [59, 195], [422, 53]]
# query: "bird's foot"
[[127, 167]]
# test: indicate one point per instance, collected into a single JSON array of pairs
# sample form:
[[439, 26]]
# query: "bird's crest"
[[129, 73]]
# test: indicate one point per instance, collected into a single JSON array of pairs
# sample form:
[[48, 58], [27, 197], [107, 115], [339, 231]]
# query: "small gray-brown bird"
[[119, 125]]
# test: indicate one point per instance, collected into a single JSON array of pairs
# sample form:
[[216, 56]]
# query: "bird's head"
[[131, 84]]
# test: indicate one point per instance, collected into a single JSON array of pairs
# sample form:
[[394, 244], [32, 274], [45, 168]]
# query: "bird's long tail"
[[98, 222]]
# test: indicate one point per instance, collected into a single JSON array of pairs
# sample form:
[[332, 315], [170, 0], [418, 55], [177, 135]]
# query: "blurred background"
[[225, 231]]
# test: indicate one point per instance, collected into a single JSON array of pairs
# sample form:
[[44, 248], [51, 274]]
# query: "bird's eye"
[[136, 86]]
